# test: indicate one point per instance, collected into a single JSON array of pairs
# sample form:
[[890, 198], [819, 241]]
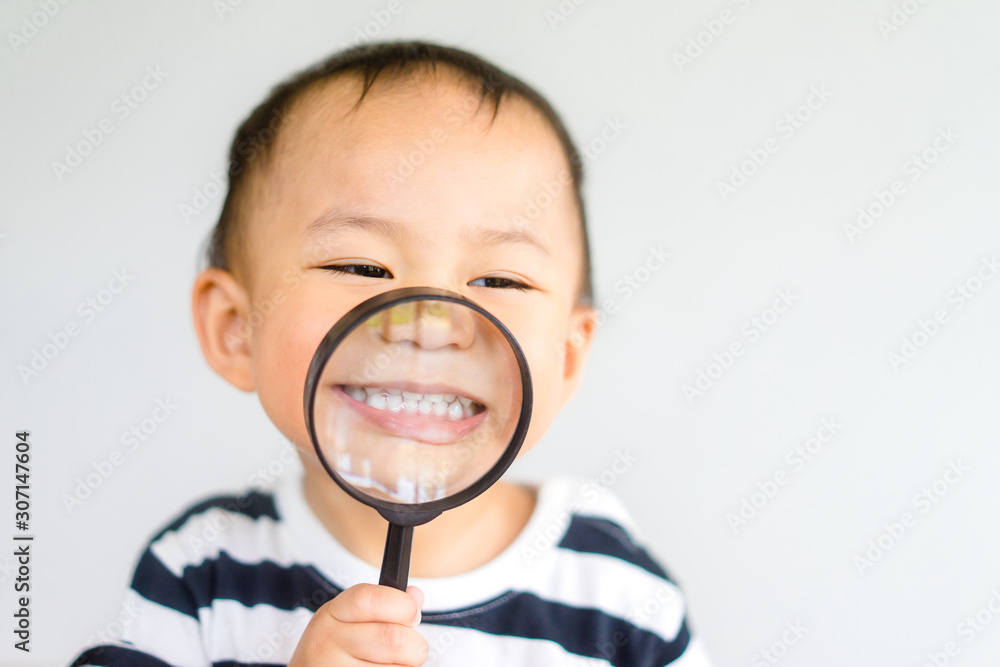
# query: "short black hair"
[[257, 133]]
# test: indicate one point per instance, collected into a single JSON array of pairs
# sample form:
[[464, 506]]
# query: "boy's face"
[[416, 187]]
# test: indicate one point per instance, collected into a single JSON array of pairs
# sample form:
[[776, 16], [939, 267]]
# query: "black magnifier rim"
[[415, 513]]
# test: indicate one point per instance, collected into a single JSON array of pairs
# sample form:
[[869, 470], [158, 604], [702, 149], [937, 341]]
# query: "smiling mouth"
[[432, 418], [444, 407]]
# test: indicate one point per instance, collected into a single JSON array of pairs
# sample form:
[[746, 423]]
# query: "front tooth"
[[440, 409], [425, 407], [376, 401], [394, 402], [455, 410], [433, 398], [410, 396]]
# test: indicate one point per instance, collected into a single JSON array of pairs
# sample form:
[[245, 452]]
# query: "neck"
[[457, 541]]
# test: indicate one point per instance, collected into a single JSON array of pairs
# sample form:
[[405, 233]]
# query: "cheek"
[[283, 349], [546, 364]]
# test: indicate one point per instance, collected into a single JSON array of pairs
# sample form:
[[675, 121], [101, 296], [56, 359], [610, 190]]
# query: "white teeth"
[[447, 406]]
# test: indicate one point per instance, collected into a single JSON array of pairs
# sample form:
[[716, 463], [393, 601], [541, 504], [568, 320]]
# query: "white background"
[[687, 126]]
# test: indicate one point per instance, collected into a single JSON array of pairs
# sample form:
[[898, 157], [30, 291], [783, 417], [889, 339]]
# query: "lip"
[[428, 430]]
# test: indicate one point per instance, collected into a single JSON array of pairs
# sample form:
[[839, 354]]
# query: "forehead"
[[423, 150]]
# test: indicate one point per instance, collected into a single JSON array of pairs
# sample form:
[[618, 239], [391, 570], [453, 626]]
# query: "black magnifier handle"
[[396, 559]]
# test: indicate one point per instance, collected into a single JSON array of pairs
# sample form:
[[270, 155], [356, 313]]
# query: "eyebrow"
[[337, 219]]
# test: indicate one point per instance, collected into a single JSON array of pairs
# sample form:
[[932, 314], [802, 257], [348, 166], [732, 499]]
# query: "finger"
[[367, 603], [385, 643], [418, 598]]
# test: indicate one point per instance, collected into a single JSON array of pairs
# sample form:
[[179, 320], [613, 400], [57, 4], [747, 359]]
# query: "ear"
[[583, 325], [221, 307]]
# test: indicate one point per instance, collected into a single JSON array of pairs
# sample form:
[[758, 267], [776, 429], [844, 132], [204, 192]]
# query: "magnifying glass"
[[416, 401]]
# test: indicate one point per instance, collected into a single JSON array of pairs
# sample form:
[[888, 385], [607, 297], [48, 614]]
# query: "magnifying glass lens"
[[417, 402]]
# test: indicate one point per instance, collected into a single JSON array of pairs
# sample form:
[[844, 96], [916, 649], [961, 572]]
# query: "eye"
[[497, 282], [363, 270]]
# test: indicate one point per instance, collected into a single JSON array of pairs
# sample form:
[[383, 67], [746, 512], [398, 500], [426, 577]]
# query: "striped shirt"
[[235, 580]]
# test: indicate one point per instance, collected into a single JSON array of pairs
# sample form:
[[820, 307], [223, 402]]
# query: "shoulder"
[[180, 574], [220, 523], [586, 557], [232, 548], [584, 517]]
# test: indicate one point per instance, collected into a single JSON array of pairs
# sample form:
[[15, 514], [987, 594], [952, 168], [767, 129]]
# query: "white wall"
[[686, 127]]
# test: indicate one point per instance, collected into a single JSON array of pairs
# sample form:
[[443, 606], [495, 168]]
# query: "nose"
[[429, 323]]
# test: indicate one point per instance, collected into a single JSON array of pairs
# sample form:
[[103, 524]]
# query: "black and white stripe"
[[226, 585]]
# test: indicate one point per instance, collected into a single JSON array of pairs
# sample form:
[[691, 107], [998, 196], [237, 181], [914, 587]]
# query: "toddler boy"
[[399, 165]]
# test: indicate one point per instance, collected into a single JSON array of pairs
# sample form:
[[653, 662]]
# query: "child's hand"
[[364, 624]]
